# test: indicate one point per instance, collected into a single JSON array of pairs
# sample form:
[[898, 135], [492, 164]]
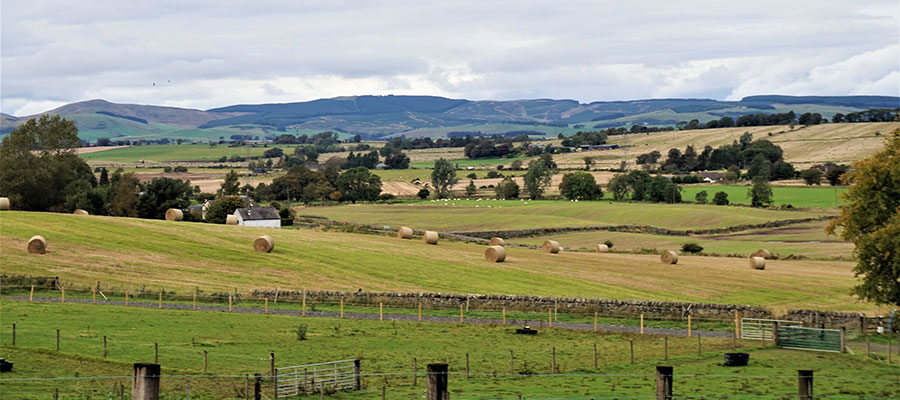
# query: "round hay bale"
[[669, 257], [37, 245], [4, 203], [496, 241], [404, 233], [430, 237], [550, 246], [602, 248], [757, 263], [174, 214], [81, 212], [264, 244], [231, 220], [495, 254], [763, 253]]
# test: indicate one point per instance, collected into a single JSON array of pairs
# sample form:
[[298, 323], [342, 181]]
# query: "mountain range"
[[376, 117]]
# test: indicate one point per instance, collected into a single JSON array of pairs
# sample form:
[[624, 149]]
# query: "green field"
[[476, 163], [806, 240], [127, 253], [797, 196], [239, 344], [175, 152], [474, 215]]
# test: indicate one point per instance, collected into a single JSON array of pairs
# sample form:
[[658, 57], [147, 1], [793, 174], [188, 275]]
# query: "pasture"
[[175, 152], [235, 346], [797, 196], [127, 253]]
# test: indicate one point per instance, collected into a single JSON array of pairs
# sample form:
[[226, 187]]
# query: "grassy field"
[[236, 345], [473, 215], [133, 254], [797, 196], [807, 240], [175, 152]]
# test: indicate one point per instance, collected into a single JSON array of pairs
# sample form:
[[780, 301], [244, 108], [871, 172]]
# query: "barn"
[[266, 217]]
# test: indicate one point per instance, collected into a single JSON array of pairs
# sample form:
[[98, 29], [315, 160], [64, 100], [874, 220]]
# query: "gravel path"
[[393, 317]]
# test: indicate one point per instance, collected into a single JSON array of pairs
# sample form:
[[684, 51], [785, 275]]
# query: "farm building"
[[248, 203], [586, 147], [266, 217], [710, 177]]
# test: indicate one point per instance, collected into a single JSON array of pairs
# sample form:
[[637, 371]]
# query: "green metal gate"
[[796, 337]]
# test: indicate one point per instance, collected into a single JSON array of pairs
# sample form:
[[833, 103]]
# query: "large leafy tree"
[[358, 184], [231, 186], [161, 194], [870, 218], [537, 178], [443, 177], [38, 165], [760, 193], [223, 207], [580, 186]]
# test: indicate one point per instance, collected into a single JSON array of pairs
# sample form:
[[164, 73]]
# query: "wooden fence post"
[[595, 355], [146, 382], [357, 383], [510, 362], [699, 349], [437, 382], [553, 361], [632, 351], [551, 317], [689, 325], [504, 316], [805, 384], [665, 348], [156, 353], [196, 289], [303, 306], [342, 307], [31, 296], [204, 361], [595, 321], [415, 372], [14, 334], [843, 339], [420, 311], [57, 340], [775, 333], [257, 387], [381, 311], [460, 313], [267, 305], [62, 294], [126, 298], [642, 323], [160, 298], [229, 302], [467, 366], [104, 346], [663, 382], [272, 364], [737, 323]]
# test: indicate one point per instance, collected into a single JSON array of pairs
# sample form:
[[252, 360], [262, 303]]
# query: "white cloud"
[[214, 53]]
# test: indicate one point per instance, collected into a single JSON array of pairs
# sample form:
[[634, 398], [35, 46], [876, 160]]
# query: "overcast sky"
[[205, 54]]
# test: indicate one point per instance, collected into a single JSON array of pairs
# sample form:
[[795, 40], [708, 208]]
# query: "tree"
[[835, 174], [580, 186], [359, 184], [396, 160], [161, 194], [701, 197], [223, 207], [274, 152], [443, 177], [812, 176], [720, 199], [760, 193], [124, 189], [38, 164], [537, 178], [231, 186], [471, 189], [507, 189], [104, 177], [423, 193], [618, 186], [588, 162], [870, 218]]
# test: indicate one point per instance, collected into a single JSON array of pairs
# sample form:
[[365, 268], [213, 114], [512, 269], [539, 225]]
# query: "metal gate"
[[762, 329], [311, 378], [797, 337]]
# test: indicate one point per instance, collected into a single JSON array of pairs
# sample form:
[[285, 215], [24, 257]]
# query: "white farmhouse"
[[266, 217]]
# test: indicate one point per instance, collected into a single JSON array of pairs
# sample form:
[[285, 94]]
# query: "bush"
[[301, 332], [179, 169], [423, 193], [167, 169], [386, 197], [720, 199], [701, 197], [692, 248], [608, 243], [493, 174], [472, 176]]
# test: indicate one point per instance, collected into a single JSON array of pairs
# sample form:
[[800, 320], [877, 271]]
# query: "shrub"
[[167, 169], [493, 174], [423, 193], [180, 169], [608, 243], [692, 248], [472, 176], [386, 197], [701, 197], [720, 199], [301, 332]]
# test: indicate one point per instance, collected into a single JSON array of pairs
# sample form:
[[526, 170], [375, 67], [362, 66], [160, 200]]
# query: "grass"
[[473, 215], [807, 240], [797, 196], [477, 163], [175, 152], [127, 253], [239, 344]]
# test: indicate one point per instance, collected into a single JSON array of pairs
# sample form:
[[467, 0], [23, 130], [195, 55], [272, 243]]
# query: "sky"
[[207, 54]]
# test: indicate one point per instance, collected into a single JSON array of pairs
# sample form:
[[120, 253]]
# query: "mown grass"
[[175, 152], [130, 254], [239, 344], [474, 215], [797, 196]]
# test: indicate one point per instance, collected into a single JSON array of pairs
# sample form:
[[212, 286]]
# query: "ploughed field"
[[127, 253]]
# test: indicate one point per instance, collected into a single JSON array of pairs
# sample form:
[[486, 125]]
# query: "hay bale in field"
[[231, 220], [669, 257], [404, 233], [763, 253], [757, 263], [264, 244], [496, 241], [550, 246], [430, 237], [174, 214], [602, 248], [4, 203], [495, 254], [81, 212], [37, 245]]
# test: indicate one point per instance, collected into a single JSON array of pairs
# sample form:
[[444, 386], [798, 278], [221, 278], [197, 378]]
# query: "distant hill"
[[385, 116]]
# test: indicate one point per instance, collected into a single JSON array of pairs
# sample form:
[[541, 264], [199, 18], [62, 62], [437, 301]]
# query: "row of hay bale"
[[429, 237]]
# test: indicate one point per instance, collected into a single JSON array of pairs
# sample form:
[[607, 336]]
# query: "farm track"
[[395, 317]]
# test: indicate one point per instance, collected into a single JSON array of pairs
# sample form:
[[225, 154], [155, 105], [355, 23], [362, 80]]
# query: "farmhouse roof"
[[257, 213], [711, 175]]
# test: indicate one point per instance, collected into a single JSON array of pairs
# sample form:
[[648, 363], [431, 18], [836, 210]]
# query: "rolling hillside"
[[383, 116]]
